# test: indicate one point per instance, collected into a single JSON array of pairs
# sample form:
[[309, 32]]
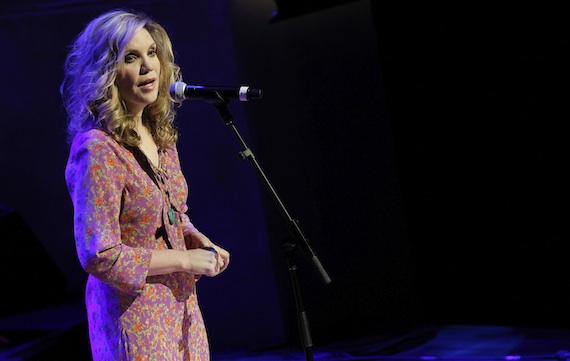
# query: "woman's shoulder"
[[171, 152], [93, 138], [96, 135], [96, 144]]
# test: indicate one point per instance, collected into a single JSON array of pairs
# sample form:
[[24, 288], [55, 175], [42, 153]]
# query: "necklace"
[[159, 176]]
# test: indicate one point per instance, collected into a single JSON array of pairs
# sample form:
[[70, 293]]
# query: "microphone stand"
[[297, 240]]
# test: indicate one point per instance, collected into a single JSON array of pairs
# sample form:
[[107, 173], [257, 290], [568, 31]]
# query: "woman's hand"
[[221, 256], [200, 262]]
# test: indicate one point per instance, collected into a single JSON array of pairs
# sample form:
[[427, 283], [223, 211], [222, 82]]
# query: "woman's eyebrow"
[[134, 50]]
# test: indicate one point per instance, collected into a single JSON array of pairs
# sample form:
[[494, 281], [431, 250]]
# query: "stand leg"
[[302, 320]]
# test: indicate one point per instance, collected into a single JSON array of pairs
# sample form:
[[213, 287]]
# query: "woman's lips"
[[147, 84]]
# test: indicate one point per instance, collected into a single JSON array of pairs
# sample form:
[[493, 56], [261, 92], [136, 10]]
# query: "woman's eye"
[[152, 52], [130, 58]]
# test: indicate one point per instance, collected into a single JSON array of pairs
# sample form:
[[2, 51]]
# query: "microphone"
[[180, 91]]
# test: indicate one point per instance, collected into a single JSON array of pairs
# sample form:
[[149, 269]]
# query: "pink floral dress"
[[120, 216]]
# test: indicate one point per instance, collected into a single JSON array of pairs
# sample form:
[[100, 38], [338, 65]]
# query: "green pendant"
[[171, 216]]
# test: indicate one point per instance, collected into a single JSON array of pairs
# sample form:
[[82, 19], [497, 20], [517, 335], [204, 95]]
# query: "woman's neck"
[[147, 144]]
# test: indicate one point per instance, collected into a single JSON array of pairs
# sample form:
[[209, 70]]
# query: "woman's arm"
[[95, 179], [196, 261]]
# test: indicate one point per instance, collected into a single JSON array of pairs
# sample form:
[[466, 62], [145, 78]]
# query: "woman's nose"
[[146, 66]]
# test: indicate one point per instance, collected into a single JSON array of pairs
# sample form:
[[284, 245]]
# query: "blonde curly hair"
[[90, 94]]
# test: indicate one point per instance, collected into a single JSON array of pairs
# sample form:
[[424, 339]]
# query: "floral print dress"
[[120, 215]]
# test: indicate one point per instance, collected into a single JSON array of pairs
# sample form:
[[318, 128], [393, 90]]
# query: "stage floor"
[[59, 333], [450, 342]]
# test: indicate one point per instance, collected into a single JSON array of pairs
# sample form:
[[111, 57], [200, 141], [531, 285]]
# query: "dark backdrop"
[[419, 146], [478, 110]]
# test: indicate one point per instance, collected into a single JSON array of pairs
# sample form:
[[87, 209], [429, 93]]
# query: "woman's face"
[[139, 73]]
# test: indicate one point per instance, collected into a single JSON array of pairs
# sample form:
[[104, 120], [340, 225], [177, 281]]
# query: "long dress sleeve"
[[96, 179]]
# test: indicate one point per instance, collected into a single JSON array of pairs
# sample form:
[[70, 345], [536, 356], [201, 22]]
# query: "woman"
[[133, 237]]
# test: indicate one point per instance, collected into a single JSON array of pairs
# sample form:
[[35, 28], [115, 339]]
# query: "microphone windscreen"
[[177, 91]]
